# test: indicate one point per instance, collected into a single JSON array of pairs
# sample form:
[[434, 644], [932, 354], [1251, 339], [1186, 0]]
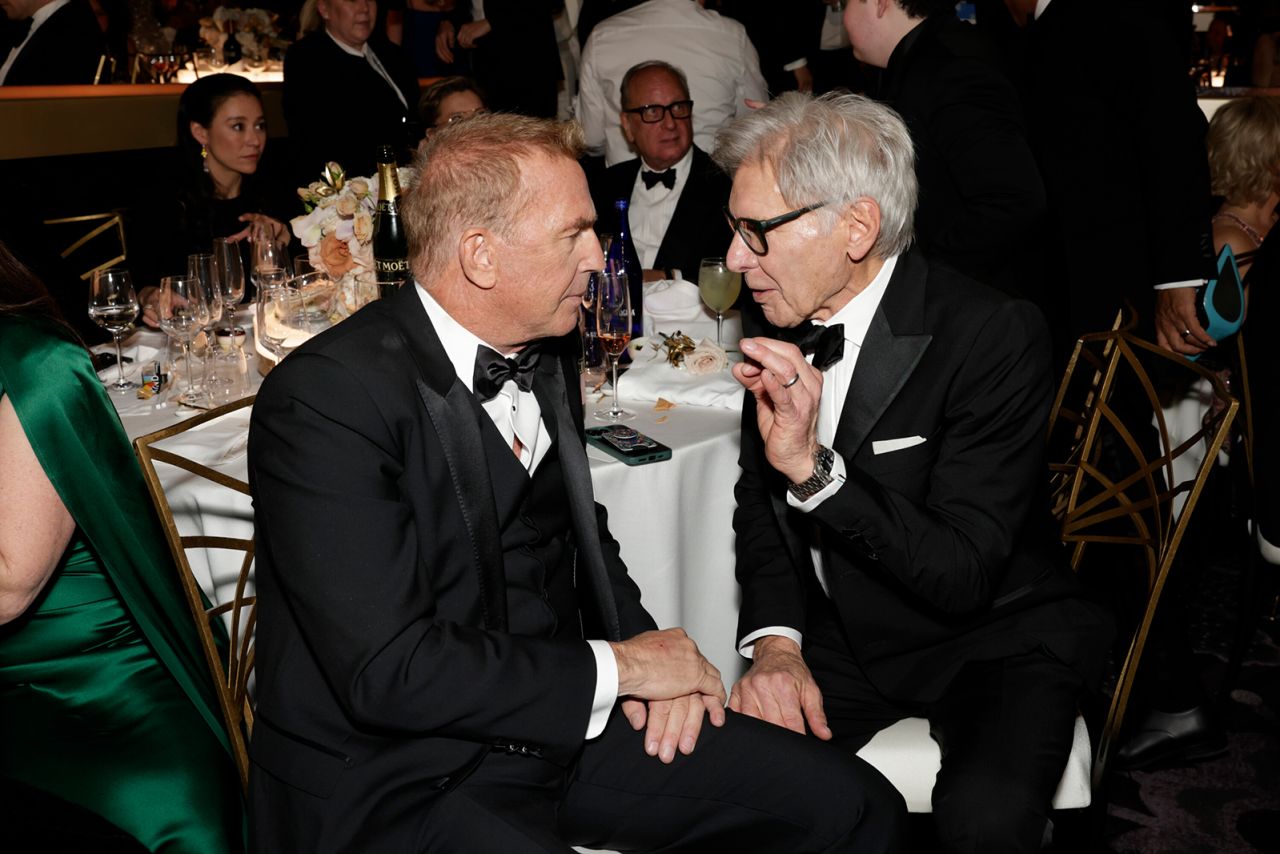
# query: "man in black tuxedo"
[[894, 546], [50, 42], [431, 564], [347, 90], [982, 202], [676, 192]]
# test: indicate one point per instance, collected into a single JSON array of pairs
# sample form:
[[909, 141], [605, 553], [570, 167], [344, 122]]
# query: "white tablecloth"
[[673, 519]]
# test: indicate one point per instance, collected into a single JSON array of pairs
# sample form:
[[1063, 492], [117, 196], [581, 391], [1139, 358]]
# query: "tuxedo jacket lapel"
[[550, 389], [893, 346], [452, 412]]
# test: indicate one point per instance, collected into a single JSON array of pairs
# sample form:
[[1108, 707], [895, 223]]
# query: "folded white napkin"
[[674, 304], [144, 347], [651, 378]]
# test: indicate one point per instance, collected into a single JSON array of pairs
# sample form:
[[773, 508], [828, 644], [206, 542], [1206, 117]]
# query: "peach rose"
[[706, 358], [336, 256]]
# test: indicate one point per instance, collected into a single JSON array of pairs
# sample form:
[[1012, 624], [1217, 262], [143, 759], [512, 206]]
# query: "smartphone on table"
[[632, 447]]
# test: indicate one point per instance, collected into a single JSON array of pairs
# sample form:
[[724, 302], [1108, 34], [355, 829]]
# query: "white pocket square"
[[888, 446]]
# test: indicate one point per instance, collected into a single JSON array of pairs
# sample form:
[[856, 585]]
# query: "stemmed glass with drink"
[[613, 327], [268, 254], [719, 287], [228, 270], [201, 268], [183, 311], [113, 305]]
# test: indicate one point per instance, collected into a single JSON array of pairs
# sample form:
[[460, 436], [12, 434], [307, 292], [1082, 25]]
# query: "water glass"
[[113, 305]]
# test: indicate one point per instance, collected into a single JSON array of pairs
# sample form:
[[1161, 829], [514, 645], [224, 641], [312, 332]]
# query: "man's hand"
[[1177, 327], [780, 689], [663, 665], [804, 79], [472, 32], [445, 41], [673, 724], [787, 390]]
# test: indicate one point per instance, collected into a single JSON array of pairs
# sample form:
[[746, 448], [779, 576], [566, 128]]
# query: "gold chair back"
[[232, 666], [1112, 486], [96, 240]]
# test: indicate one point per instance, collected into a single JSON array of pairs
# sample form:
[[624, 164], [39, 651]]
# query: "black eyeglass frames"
[[752, 231], [652, 113]]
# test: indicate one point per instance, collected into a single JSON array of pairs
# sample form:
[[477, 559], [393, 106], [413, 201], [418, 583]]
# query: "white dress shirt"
[[37, 18], [652, 209], [512, 410], [714, 53], [856, 315], [374, 63]]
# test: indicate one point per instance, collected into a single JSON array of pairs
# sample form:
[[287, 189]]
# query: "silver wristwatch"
[[823, 459]]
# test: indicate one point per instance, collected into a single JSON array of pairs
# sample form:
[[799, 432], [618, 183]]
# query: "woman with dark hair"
[[222, 134], [449, 99], [105, 701]]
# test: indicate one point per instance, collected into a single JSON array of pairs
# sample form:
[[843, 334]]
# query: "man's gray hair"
[[645, 66], [836, 148]]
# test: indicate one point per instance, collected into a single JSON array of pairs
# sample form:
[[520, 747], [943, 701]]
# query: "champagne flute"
[[113, 305], [719, 287], [201, 268], [229, 270], [183, 310], [613, 325]]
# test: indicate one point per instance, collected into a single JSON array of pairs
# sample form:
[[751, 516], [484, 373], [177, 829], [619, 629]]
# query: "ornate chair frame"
[[231, 665]]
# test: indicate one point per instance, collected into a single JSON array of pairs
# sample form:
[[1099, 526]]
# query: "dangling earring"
[[204, 152], [204, 158]]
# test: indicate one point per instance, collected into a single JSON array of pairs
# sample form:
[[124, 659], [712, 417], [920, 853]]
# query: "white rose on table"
[[346, 205], [358, 186], [705, 359], [362, 226]]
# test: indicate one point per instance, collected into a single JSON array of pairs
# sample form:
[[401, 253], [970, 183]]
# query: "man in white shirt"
[[893, 546], [450, 655], [49, 42], [715, 53], [675, 192]]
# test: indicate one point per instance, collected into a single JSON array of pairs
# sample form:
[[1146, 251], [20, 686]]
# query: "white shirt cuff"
[[1168, 286], [838, 475], [606, 687], [747, 646], [799, 63]]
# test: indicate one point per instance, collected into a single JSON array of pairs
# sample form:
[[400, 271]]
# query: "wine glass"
[[282, 323], [718, 286], [114, 306], [229, 271], [268, 254], [613, 326], [183, 310]]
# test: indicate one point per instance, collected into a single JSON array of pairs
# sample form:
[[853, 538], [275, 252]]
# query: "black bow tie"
[[826, 343], [666, 178], [493, 370], [17, 32]]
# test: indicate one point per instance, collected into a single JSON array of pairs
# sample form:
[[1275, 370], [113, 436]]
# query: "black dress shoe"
[[1165, 737]]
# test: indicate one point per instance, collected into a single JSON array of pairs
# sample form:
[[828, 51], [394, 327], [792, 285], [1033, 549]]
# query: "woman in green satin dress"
[[105, 700]]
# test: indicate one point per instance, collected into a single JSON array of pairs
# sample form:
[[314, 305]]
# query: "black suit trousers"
[[1004, 726], [726, 795]]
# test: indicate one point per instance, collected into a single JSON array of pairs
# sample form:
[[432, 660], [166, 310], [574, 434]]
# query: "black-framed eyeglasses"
[[652, 113], [752, 231]]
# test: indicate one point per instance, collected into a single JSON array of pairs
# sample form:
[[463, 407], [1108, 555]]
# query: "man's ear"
[[882, 6], [477, 258], [625, 119], [861, 223]]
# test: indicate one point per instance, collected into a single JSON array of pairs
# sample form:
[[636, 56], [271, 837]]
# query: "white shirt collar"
[[362, 51], [857, 313], [681, 166], [45, 12], [459, 342], [1041, 5]]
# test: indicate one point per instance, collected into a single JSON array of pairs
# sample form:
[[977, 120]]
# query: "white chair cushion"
[[909, 758]]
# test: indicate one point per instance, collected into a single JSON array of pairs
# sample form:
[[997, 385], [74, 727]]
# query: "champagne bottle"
[[390, 246], [622, 257]]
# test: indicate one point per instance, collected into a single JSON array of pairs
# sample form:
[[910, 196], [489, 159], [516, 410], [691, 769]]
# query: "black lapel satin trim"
[[452, 412], [886, 359], [550, 389]]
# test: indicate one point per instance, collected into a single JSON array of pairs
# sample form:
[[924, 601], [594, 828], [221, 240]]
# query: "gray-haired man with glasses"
[[893, 546]]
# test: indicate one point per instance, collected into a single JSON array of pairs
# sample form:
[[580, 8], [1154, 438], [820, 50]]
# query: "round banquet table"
[[672, 519]]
